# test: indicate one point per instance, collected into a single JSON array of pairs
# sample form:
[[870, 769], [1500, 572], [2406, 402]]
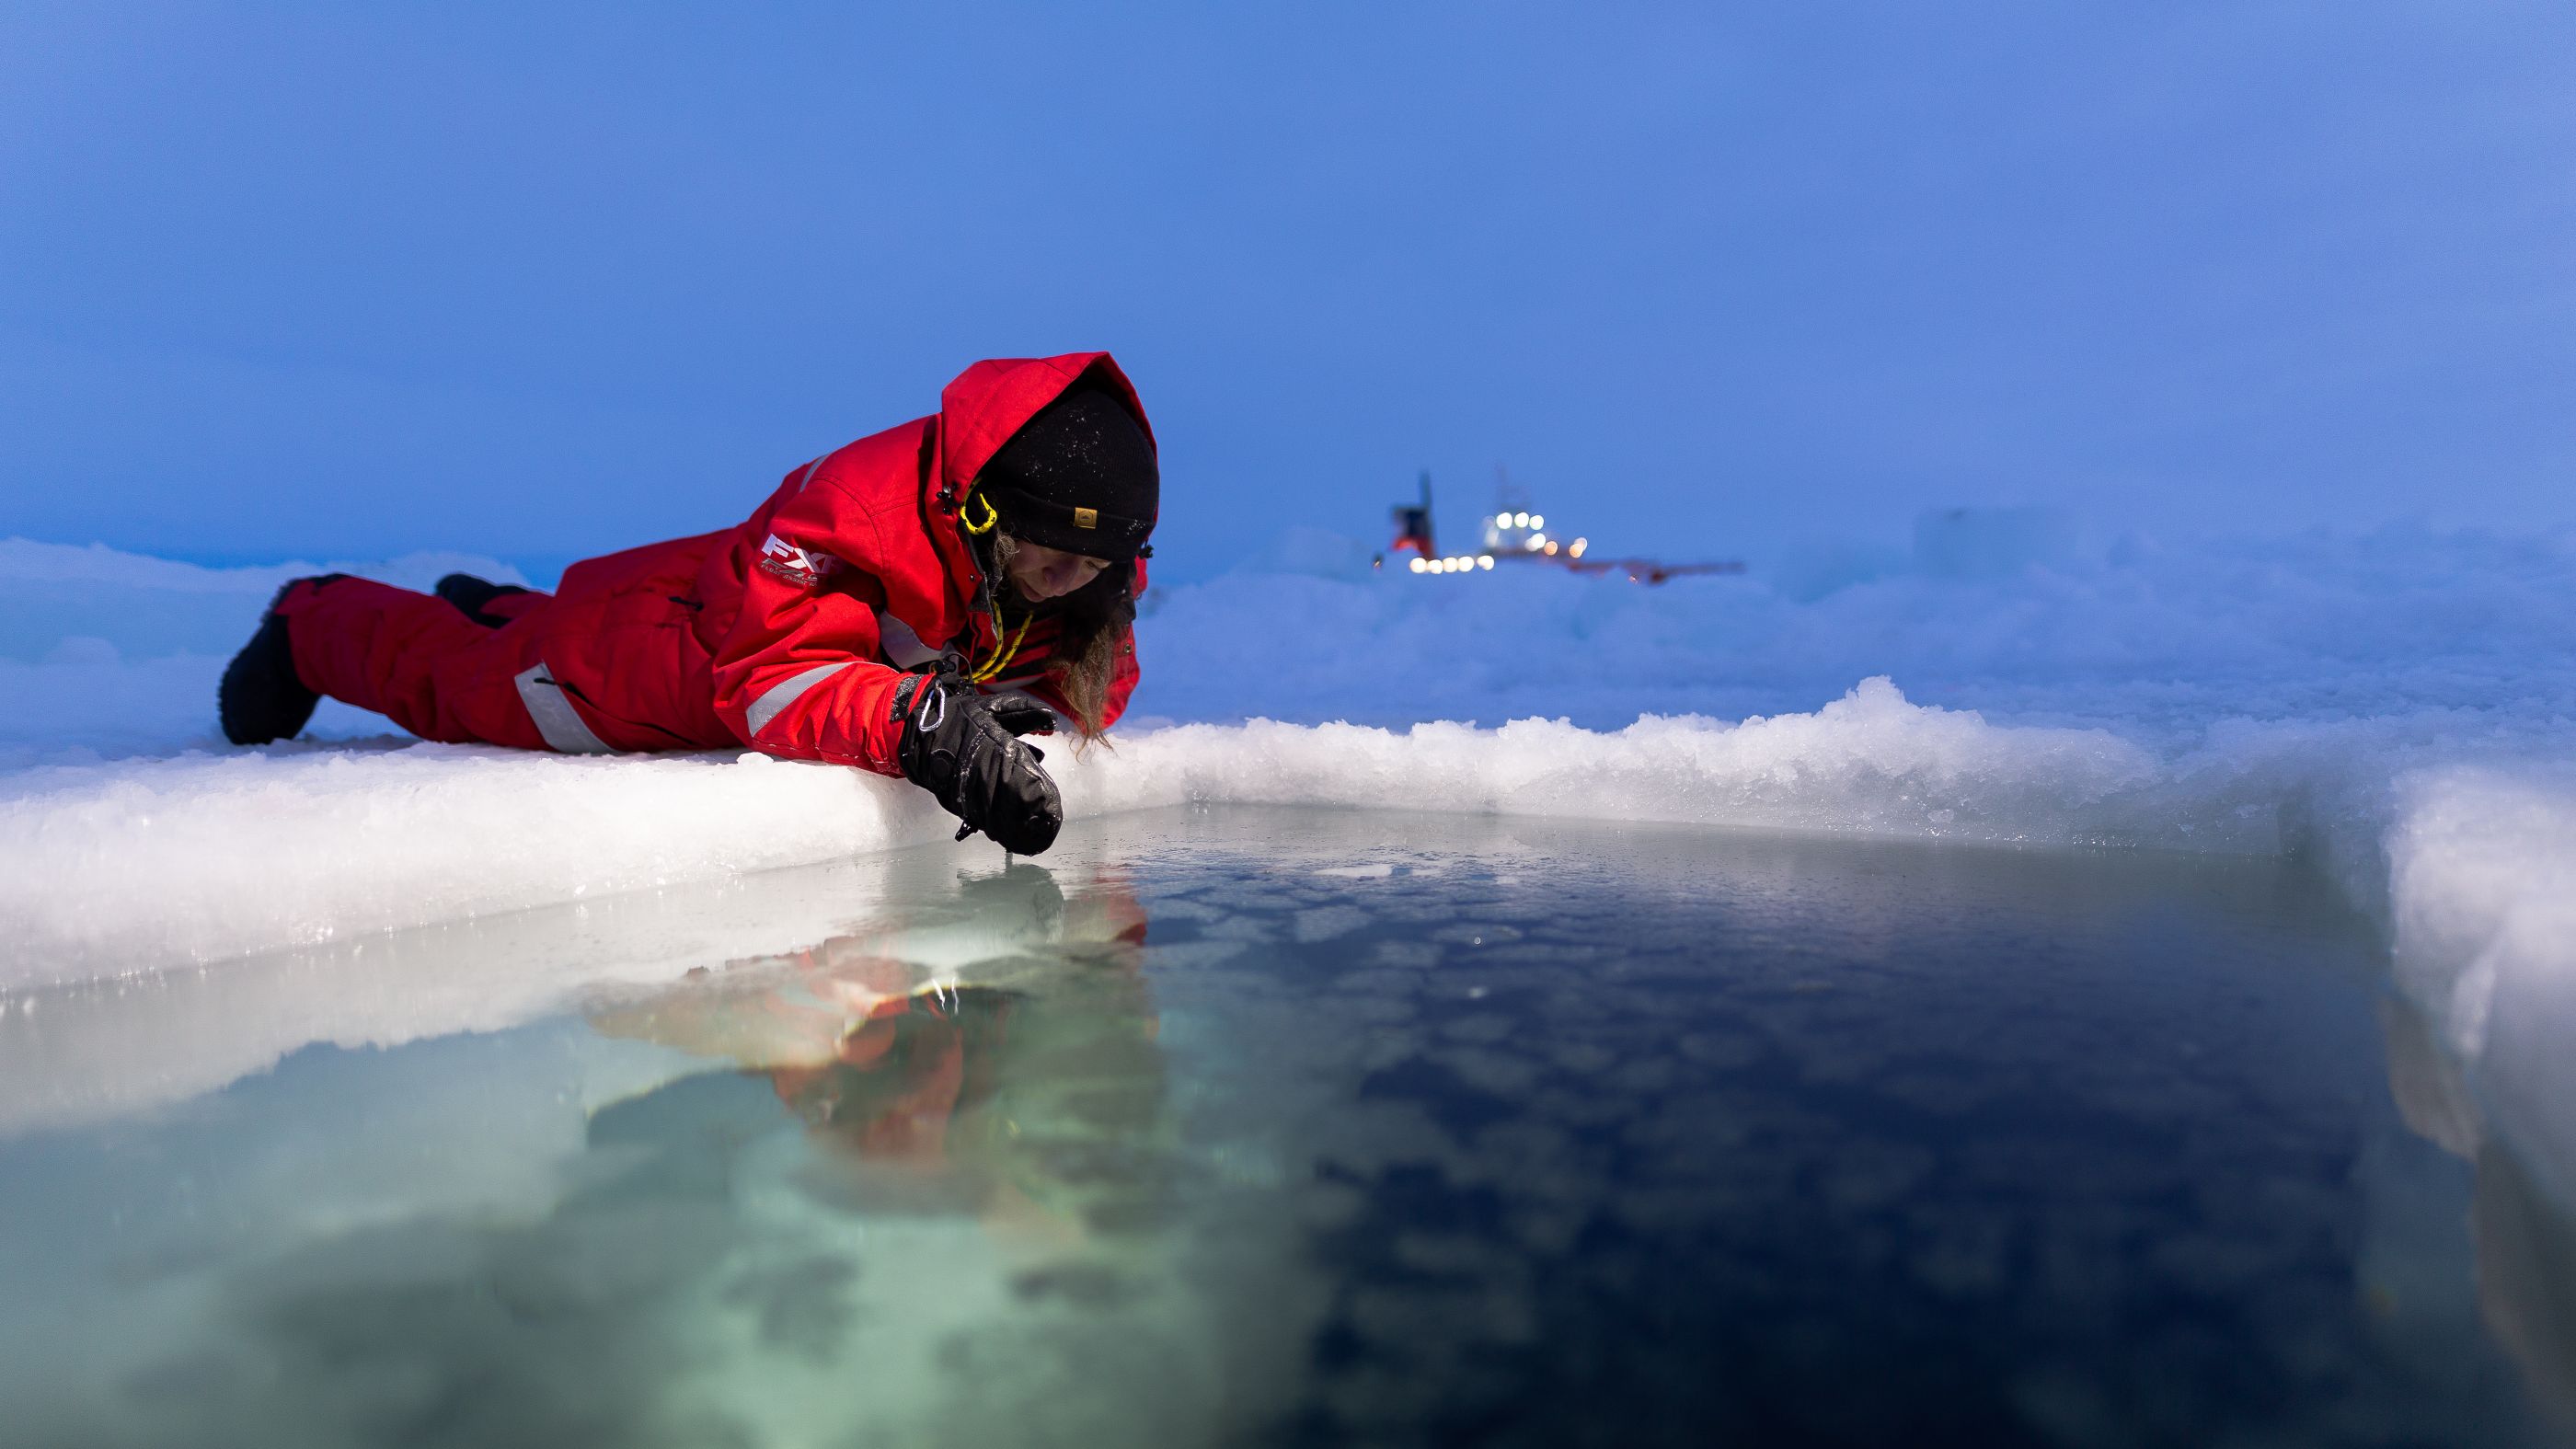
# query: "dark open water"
[[1272, 1127]]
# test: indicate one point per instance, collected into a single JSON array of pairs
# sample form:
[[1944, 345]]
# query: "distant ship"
[[1515, 533]]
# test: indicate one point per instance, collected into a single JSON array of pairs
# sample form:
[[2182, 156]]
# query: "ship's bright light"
[[1578, 546], [1535, 521], [1538, 540], [1419, 564], [1551, 550], [1485, 561]]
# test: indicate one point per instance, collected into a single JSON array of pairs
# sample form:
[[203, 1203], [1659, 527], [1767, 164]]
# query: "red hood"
[[978, 413], [996, 398]]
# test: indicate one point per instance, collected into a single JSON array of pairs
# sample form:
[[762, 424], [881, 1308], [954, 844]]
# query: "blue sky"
[[546, 281]]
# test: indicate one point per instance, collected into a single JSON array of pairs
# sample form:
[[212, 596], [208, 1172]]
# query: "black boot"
[[261, 699], [469, 594]]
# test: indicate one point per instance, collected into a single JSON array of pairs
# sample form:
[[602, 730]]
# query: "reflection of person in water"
[[996, 1082], [905, 1071], [2525, 1244]]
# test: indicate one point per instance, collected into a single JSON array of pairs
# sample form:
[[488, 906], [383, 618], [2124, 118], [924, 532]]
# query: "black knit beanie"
[[1080, 477]]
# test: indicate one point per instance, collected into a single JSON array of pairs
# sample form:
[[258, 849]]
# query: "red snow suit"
[[785, 633]]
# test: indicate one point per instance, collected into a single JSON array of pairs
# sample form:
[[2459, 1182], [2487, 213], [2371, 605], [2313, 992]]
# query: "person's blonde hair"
[[1095, 624]]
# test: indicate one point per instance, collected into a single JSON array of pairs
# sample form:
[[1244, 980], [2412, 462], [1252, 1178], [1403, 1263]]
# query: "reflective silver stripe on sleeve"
[[564, 732], [786, 692], [810, 470], [901, 646]]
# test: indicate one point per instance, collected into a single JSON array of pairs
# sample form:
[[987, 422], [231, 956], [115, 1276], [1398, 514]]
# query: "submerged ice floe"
[[1468, 1098], [2482, 913], [2399, 708]]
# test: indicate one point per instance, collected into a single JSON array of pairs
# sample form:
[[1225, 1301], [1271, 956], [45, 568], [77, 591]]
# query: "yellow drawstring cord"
[[998, 662], [1001, 661]]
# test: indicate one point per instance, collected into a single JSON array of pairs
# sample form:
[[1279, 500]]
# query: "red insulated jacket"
[[787, 633]]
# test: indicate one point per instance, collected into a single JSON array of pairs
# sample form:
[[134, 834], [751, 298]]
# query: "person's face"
[[1046, 573]]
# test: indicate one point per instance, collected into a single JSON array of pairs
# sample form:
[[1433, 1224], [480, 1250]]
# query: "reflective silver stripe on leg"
[[552, 710], [786, 692]]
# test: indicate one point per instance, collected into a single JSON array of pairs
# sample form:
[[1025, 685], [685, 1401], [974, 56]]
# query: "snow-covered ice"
[[2398, 706], [107, 653]]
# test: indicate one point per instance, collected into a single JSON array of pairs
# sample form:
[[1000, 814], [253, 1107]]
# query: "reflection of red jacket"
[[786, 633], [904, 1074]]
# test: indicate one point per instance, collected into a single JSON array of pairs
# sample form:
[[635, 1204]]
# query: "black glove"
[[964, 748]]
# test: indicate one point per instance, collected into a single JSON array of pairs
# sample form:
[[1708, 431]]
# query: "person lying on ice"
[[911, 604]]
